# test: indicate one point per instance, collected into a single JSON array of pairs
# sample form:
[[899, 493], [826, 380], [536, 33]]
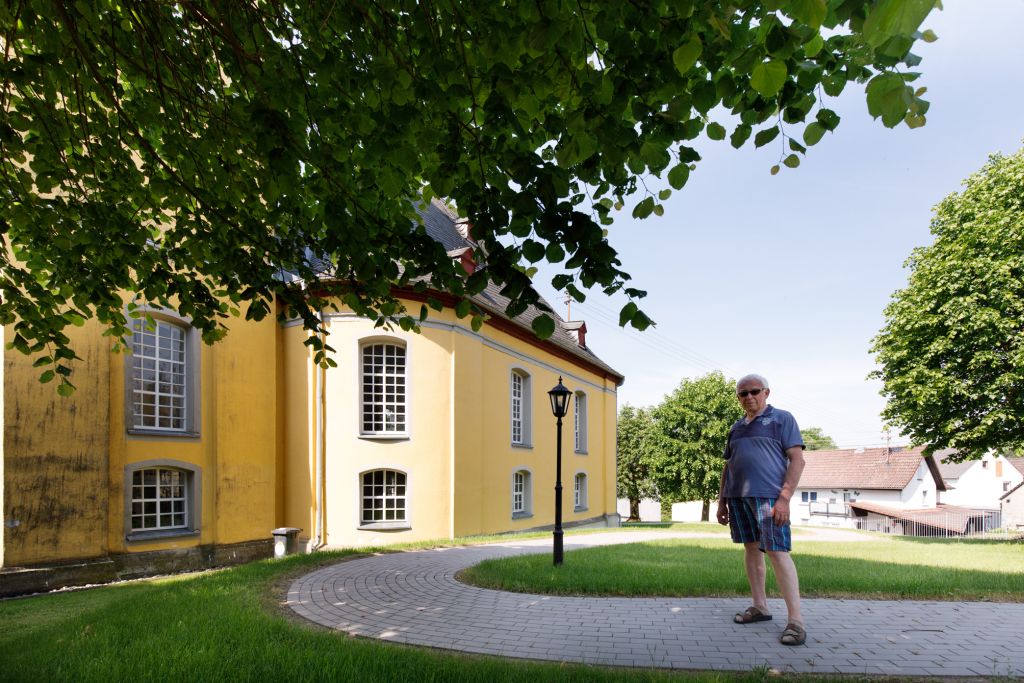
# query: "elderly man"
[[763, 462]]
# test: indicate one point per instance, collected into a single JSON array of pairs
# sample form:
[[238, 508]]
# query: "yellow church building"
[[181, 455]]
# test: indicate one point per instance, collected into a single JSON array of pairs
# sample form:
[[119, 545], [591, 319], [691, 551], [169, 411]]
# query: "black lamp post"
[[559, 406]]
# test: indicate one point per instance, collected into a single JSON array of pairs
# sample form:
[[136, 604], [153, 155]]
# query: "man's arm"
[[780, 512], [723, 509]]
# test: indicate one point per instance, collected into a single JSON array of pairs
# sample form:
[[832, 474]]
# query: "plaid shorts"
[[750, 520]]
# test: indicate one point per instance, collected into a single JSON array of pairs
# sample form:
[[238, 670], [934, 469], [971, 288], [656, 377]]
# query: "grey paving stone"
[[414, 598]]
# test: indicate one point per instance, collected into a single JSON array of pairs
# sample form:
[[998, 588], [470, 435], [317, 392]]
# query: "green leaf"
[[792, 161], [47, 376], [644, 208], [685, 56], [810, 12], [463, 308], [66, 389], [664, 194], [765, 136], [813, 133], [678, 176], [767, 78], [890, 18], [814, 46], [627, 313], [543, 326], [775, 169], [889, 97], [715, 131], [555, 253], [533, 251]]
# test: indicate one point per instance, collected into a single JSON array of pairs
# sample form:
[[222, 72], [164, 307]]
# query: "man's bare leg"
[[789, 583], [753, 558]]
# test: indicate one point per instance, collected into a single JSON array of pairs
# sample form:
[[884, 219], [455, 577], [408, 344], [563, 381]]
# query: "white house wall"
[[982, 484]]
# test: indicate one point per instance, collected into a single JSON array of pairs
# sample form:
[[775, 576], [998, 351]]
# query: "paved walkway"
[[413, 597]]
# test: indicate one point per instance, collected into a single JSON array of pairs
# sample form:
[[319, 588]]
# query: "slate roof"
[[951, 470], [1018, 463], [445, 226], [1006, 495], [873, 468]]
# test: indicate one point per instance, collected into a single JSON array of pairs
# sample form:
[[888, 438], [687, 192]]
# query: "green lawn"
[[882, 568], [230, 625]]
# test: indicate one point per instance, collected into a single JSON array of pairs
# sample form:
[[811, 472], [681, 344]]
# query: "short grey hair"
[[752, 377]]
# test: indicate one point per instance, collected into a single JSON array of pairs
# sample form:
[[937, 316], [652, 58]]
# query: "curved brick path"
[[413, 597]]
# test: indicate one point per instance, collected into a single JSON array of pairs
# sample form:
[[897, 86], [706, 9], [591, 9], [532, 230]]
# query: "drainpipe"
[[319, 376]]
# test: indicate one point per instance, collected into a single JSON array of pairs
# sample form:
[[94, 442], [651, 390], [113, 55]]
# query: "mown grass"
[[886, 568], [230, 625]]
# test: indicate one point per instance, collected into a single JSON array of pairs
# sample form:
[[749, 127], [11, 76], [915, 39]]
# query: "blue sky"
[[788, 276]]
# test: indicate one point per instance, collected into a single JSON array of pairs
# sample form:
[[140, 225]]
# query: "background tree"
[[692, 426], [634, 443], [817, 440], [191, 153], [952, 349]]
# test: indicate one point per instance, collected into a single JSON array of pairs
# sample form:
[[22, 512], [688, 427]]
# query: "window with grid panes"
[[159, 499], [580, 491], [159, 367], [383, 496], [519, 492], [580, 422], [384, 384]]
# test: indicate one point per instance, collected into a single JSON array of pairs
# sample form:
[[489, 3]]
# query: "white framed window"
[[384, 408], [521, 408], [522, 494], [161, 499], [580, 422], [384, 498], [580, 491], [161, 374]]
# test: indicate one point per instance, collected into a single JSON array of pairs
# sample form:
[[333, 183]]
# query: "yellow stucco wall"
[[458, 454], [255, 446], [55, 453]]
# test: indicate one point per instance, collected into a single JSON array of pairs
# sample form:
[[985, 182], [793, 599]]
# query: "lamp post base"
[[558, 546]]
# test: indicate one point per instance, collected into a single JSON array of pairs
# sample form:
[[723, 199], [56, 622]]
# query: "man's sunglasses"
[[752, 392]]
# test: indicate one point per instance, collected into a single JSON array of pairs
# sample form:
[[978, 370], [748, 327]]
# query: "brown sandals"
[[794, 634], [751, 615]]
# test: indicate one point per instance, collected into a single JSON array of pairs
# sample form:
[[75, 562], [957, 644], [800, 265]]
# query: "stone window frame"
[[522, 493], [580, 492], [384, 524], [580, 422], [192, 341], [520, 408], [364, 344], [193, 499]]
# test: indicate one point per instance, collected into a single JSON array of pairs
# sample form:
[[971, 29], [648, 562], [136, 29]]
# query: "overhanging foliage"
[[186, 153]]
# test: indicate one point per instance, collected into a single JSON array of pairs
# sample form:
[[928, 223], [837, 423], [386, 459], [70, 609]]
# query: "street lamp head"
[[560, 399]]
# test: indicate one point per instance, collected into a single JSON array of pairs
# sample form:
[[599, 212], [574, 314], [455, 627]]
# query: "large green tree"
[[692, 427], [817, 440], [189, 153], [635, 440], [952, 349]]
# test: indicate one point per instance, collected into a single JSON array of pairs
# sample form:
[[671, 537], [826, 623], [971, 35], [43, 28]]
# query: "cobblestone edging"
[[413, 598]]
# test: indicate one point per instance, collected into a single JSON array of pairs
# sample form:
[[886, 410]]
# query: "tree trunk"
[[705, 512], [634, 510]]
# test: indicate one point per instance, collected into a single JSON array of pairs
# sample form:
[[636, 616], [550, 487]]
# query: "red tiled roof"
[[872, 468], [947, 517]]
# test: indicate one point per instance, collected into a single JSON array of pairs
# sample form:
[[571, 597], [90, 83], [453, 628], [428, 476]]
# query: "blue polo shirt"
[[755, 455]]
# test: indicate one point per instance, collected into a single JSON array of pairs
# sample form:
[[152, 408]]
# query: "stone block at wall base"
[[40, 579]]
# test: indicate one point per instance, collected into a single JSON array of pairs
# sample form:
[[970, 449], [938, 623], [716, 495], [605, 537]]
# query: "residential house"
[[977, 483], [1011, 508], [181, 455], [892, 490]]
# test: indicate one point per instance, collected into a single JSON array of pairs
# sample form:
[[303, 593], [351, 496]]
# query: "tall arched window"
[[580, 422], [580, 491], [522, 494], [521, 413], [161, 378], [383, 402]]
